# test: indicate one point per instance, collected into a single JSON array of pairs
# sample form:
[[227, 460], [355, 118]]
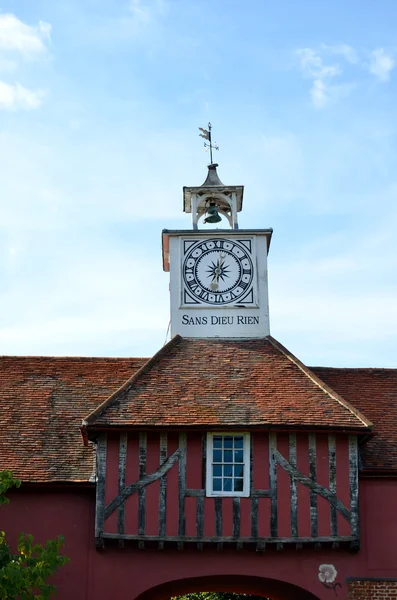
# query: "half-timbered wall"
[[304, 489]]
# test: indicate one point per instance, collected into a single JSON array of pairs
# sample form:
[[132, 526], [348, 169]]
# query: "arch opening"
[[272, 589]]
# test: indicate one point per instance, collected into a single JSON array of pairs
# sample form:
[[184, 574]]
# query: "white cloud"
[[20, 42], [313, 63], [145, 10], [381, 63], [26, 40], [319, 93], [313, 67], [15, 97], [344, 50]]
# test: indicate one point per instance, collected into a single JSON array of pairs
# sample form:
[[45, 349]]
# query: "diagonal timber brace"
[[313, 486], [142, 483]]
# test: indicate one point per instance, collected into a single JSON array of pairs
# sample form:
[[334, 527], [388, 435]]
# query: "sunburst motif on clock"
[[218, 272]]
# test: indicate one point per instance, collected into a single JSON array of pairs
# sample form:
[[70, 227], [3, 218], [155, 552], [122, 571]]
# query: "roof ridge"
[[321, 384], [146, 367], [361, 369], [87, 358]]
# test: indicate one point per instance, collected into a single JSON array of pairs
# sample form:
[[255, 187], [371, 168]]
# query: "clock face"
[[218, 271]]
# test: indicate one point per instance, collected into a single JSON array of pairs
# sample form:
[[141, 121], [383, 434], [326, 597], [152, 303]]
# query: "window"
[[228, 459]]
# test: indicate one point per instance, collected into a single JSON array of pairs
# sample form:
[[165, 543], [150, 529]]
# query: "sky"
[[100, 104]]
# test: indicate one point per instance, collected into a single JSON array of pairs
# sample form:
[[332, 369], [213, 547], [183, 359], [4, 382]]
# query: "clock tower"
[[218, 277]]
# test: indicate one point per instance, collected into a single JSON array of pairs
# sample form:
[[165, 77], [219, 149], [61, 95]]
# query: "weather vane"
[[206, 134]]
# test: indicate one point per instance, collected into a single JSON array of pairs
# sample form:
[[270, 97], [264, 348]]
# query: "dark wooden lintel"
[[194, 493], [232, 540]]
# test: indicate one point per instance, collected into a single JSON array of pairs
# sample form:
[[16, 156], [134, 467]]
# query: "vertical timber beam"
[[273, 484], [332, 481], [200, 520], [182, 487], [142, 492], [200, 499], [353, 479], [100, 488], [163, 490], [121, 483], [313, 477], [293, 487], [236, 517], [254, 499], [204, 461]]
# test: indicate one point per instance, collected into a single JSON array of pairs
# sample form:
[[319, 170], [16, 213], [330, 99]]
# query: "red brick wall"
[[372, 590]]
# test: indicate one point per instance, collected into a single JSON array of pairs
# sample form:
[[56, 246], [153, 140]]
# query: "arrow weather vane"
[[206, 134]]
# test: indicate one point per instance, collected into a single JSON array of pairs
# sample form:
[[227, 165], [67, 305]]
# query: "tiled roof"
[[219, 383], [42, 403], [374, 391]]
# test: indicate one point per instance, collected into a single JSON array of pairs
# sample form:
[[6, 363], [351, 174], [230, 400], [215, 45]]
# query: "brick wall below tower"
[[381, 589]]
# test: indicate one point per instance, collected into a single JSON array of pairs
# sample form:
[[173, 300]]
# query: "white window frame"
[[246, 461]]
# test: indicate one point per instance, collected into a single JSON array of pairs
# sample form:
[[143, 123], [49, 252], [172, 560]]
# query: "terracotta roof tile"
[[218, 383], [374, 391], [43, 400]]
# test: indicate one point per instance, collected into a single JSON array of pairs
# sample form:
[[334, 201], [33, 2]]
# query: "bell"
[[213, 215]]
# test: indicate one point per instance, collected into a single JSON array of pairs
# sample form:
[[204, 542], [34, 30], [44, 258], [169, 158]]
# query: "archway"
[[257, 586]]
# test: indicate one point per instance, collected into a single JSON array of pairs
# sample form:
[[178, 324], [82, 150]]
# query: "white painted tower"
[[218, 277]]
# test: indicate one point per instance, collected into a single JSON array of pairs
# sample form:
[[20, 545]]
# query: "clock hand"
[[214, 284]]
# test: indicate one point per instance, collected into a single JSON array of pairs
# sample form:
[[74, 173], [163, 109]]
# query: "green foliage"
[[23, 575], [7, 481]]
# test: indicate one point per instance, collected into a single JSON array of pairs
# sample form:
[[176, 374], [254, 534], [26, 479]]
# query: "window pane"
[[238, 456], [238, 470], [228, 442], [227, 470], [227, 485], [217, 442], [238, 442], [228, 456], [217, 470], [217, 484], [238, 485], [217, 456]]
